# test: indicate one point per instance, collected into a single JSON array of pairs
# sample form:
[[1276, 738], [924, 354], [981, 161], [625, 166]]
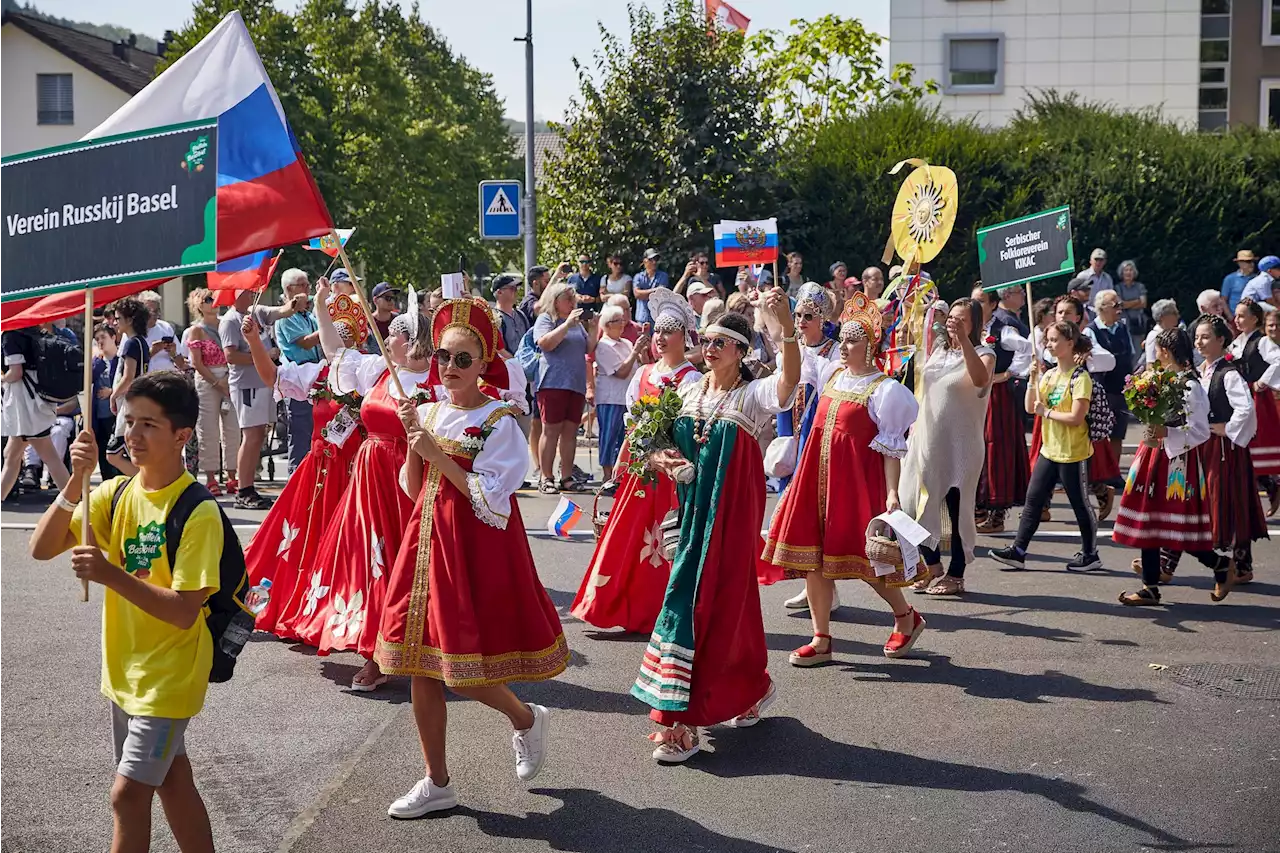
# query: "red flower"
[[1228, 357], [1151, 402], [990, 339], [473, 432]]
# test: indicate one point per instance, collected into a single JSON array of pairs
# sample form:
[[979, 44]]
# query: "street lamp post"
[[530, 207]]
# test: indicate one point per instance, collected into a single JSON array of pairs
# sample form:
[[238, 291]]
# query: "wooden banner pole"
[[373, 325], [1035, 350], [86, 412]]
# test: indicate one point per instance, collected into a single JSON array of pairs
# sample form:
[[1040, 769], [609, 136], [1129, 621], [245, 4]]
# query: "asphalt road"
[[1037, 714]]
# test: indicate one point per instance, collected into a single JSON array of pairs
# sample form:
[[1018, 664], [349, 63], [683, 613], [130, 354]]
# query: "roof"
[[545, 146], [93, 52]]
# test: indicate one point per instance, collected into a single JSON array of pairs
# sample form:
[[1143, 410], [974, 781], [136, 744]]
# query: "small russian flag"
[[564, 518], [325, 243], [739, 243]]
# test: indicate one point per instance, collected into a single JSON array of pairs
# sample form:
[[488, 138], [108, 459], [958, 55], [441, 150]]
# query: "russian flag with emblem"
[[564, 518], [739, 243]]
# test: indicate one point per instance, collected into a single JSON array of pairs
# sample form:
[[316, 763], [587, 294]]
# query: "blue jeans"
[[299, 432]]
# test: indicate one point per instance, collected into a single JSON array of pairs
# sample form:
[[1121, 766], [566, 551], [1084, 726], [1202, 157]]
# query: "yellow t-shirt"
[[150, 667], [1060, 442]]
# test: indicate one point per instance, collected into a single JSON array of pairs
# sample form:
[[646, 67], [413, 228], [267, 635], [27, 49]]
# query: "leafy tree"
[[666, 137], [827, 71], [397, 130]]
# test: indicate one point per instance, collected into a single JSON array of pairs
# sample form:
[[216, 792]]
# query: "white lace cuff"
[[481, 505], [886, 446]]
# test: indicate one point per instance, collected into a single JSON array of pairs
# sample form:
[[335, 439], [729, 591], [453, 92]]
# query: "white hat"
[[697, 288], [670, 306]]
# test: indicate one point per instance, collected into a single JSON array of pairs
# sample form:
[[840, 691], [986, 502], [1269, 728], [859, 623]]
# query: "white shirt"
[[657, 372], [1013, 341], [893, 409], [751, 405], [1196, 430], [1100, 359], [611, 389], [358, 371], [162, 360], [1244, 419]]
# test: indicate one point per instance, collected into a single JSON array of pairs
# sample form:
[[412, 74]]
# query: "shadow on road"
[[999, 684], [590, 822], [783, 746], [1173, 615]]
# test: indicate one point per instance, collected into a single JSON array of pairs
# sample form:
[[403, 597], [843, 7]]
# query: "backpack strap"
[[192, 496], [116, 496]]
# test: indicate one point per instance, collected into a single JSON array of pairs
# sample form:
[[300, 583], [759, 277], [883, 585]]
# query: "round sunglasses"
[[460, 360]]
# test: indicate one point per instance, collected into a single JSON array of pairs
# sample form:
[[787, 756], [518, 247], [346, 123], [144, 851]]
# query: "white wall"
[[22, 57], [1130, 53]]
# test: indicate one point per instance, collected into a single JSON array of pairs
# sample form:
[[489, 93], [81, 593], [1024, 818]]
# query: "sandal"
[[214, 487], [1136, 565], [899, 643], [947, 586], [1145, 597], [233, 486], [1222, 588], [361, 682], [676, 745], [749, 719], [808, 654], [923, 584]]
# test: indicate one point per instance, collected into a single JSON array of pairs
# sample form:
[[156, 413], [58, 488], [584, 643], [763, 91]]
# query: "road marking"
[[299, 825]]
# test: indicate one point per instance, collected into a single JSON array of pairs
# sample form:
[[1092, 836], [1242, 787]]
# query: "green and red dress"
[[706, 661]]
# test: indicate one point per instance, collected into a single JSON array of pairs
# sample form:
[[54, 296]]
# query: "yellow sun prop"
[[924, 212]]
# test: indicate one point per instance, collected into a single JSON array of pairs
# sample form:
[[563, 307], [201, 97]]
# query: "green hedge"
[[1179, 203]]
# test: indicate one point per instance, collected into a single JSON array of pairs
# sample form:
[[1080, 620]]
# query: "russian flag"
[[739, 243], [266, 195], [327, 244], [248, 272], [564, 518], [727, 16]]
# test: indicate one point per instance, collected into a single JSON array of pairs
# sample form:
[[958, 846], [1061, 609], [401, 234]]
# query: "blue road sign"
[[500, 210]]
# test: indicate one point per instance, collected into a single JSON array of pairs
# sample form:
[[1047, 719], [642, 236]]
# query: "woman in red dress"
[[1256, 356], [847, 475], [290, 534], [707, 661], [338, 607], [627, 576], [465, 608]]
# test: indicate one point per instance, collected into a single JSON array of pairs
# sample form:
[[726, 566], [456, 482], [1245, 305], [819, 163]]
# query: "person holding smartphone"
[[164, 350]]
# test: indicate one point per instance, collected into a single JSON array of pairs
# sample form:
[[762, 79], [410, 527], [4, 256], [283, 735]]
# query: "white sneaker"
[[423, 798], [670, 752], [801, 601], [530, 745]]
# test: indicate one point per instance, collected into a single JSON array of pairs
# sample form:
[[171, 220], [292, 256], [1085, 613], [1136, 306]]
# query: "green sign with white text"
[[1026, 249]]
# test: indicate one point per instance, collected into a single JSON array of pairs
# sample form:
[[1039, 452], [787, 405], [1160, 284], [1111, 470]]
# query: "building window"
[[974, 63], [1269, 107], [54, 103], [1271, 22], [1215, 60], [1215, 7]]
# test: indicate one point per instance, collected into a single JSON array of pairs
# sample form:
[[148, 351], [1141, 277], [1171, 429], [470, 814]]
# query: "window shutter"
[[55, 103]]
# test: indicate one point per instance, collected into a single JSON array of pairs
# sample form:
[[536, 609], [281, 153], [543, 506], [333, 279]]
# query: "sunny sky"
[[483, 32]]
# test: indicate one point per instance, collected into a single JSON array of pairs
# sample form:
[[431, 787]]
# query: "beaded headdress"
[[671, 312], [814, 298], [473, 316], [346, 312], [861, 320]]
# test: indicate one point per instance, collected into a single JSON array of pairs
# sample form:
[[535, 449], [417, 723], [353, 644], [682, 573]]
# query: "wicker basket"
[[882, 549], [599, 519]]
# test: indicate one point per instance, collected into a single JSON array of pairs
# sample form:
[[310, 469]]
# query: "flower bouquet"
[[651, 438], [1156, 397]]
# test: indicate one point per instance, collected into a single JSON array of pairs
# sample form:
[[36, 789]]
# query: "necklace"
[[702, 424]]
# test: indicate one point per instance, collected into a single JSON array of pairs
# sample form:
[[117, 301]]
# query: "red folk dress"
[[1165, 504], [839, 485], [286, 545], [464, 603], [627, 576], [342, 602]]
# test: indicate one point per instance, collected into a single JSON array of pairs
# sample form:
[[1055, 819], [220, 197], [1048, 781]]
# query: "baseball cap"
[[1270, 262], [340, 275], [697, 288], [1098, 255], [505, 280], [383, 288], [652, 254]]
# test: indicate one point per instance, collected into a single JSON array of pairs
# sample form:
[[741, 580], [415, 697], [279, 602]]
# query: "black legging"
[[1212, 559], [933, 557], [1044, 476], [102, 430], [1155, 560]]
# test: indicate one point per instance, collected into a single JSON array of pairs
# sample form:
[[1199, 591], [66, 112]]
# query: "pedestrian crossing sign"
[[500, 210]]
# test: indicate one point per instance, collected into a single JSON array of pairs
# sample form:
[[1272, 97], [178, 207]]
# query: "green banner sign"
[[1026, 249], [133, 207]]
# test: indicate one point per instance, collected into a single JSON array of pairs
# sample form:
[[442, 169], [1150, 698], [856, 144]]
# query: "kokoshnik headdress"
[[861, 321], [671, 312], [473, 316], [346, 312], [816, 299]]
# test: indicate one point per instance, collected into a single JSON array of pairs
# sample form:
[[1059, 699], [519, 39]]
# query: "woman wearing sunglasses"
[[848, 474], [339, 608], [627, 576], [815, 305], [720, 671], [465, 609]]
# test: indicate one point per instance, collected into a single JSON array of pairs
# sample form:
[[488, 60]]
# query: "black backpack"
[[233, 576], [59, 367]]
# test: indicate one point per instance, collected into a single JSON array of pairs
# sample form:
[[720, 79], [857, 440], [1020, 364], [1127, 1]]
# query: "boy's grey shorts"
[[146, 746]]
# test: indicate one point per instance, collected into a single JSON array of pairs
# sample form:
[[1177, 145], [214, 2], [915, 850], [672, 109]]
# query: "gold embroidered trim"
[[473, 670]]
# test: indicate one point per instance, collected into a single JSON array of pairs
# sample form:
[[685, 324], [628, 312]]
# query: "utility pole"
[[530, 206]]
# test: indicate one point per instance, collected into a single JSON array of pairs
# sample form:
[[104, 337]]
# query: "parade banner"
[[739, 243], [1026, 249], [134, 207]]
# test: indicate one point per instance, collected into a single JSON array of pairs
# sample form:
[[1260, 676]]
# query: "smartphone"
[[462, 263], [167, 339]]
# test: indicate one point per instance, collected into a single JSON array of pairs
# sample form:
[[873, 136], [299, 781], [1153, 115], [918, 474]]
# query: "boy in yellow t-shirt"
[[156, 648]]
